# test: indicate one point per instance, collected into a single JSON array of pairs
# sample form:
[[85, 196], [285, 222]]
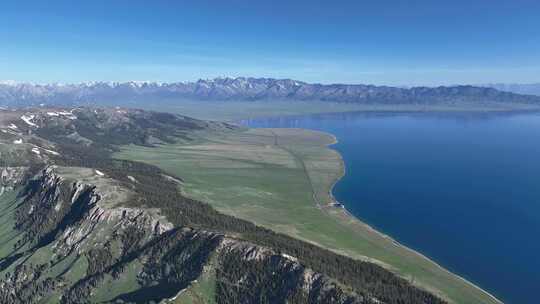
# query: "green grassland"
[[281, 179]]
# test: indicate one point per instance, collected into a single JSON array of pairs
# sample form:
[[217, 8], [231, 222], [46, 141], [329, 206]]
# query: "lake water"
[[463, 189]]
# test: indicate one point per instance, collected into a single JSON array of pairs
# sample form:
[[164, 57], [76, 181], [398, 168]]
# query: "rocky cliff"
[[76, 238]]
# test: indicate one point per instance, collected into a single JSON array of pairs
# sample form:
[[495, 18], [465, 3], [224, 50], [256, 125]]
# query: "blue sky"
[[414, 42]]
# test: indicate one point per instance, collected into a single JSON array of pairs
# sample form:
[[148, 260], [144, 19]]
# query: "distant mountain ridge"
[[518, 88], [249, 89]]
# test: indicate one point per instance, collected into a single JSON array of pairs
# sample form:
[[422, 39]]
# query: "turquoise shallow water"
[[464, 189]]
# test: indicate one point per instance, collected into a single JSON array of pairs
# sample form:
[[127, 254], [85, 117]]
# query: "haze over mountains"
[[251, 89], [529, 88]]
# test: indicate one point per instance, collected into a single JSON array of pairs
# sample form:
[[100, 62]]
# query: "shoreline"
[[346, 213]]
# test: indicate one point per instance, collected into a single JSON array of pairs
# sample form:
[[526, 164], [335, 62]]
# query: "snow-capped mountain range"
[[14, 94]]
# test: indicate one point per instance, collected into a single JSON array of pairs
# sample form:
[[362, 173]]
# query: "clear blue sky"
[[413, 42]]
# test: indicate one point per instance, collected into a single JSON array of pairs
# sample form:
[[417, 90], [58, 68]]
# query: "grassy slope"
[[8, 236], [72, 268], [279, 178], [201, 291]]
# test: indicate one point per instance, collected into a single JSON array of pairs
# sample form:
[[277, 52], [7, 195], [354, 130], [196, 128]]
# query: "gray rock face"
[[247, 89], [11, 176], [284, 280], [73, 220]]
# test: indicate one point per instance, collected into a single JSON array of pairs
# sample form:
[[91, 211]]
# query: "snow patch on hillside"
[[28, 120]]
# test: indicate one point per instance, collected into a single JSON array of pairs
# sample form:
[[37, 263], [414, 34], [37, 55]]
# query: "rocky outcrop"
[[11, 177], [72, 220], [277, 278]]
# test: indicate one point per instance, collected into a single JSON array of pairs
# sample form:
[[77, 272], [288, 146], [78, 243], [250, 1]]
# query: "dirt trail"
[[302, 164]]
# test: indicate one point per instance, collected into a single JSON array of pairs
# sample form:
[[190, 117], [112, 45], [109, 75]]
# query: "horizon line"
[[408, 86]]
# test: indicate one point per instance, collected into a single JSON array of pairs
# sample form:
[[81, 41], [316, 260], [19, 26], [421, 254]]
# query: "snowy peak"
[[246, 89]]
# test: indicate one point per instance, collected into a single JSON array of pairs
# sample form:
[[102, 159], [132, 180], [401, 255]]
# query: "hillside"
[[253, 89], [81, 227]]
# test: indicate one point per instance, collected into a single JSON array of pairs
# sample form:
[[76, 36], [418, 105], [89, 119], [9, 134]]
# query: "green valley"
[[280, 179]]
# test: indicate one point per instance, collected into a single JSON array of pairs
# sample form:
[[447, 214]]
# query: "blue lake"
[[463, 189]]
